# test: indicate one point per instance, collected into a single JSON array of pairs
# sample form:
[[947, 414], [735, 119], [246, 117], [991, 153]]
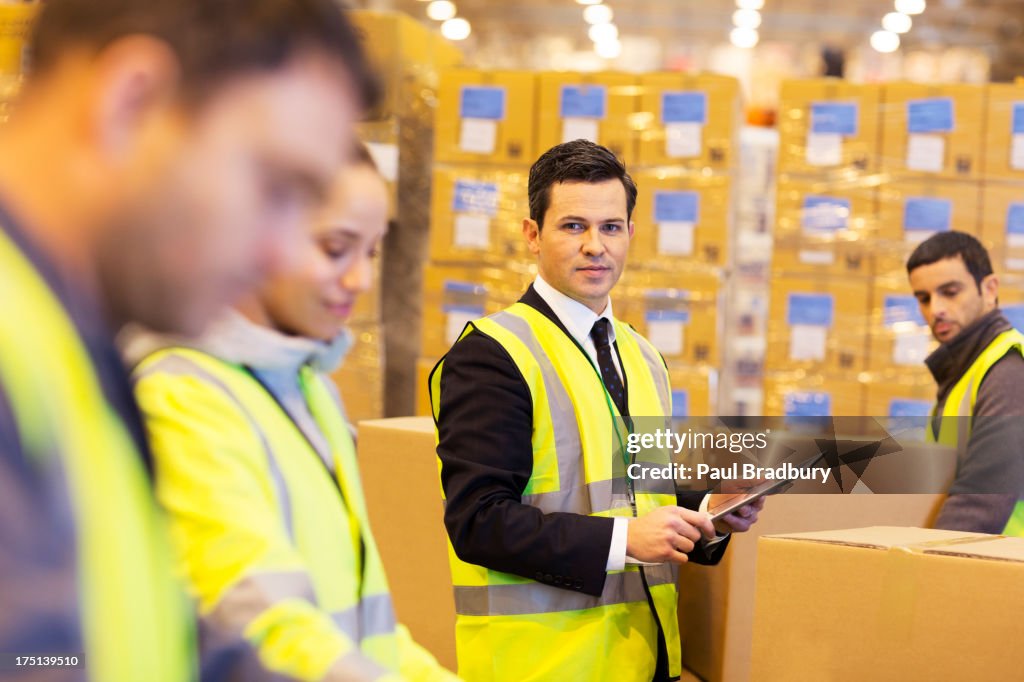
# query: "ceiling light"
[[910, 6], [608, 49], [441, 10], [746, 18], [455, 29], [597, 14], [743, 37], [885, 41], [897, 22], [603, 33], [750, 4]]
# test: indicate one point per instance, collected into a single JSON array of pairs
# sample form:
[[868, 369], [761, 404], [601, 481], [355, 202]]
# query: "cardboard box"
[[693, 390], [596, 106], [800, 394], [15, 26], [909, 393], [1004, 132], [676, 311], [933, 130], [476, 214], [398, 463], [716, 603], [820, 258], [898, 337], [1002, 226], [912, 603], [912, 210], [690, 121], [817, 323], [820, 210], [485, 116], [400, 48], [828, 125], [681, 217], [453, 296]]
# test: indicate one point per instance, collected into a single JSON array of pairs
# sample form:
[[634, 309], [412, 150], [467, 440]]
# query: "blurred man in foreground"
[[161, 158]]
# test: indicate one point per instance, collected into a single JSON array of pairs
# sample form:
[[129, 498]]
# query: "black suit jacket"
[[485, 426]]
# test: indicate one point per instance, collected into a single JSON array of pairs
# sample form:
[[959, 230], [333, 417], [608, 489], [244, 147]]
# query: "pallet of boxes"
[[951, 157]]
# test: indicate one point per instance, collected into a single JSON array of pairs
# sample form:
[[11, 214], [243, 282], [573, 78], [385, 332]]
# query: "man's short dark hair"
[[951, 244], [213, 39], [576, 161]]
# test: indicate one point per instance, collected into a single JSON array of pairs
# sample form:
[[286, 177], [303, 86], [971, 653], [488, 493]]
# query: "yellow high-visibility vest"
[[513, 629], [275, 547], [959, 407], [135, 620]]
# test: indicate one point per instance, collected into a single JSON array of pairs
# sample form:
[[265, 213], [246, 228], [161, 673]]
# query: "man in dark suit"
[[562, 570]]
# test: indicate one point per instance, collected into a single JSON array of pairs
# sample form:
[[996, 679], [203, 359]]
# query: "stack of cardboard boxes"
[[866, 173], [409, 57], [15, 22], [676, 134], [823, 259]]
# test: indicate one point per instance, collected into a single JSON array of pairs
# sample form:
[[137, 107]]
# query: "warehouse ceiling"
[[995, 26]]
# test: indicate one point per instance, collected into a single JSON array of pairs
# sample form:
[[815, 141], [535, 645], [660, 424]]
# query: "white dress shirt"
[[578, 319]]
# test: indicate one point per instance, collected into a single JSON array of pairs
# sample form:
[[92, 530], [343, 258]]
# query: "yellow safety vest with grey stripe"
[[135, 620], [510, 628], [959, 408], [275, 548]]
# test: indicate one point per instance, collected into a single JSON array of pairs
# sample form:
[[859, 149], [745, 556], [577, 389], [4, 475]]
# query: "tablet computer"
[[745, 497]]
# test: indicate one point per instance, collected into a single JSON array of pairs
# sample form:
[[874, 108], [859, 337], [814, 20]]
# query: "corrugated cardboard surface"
[[403, 496], [889, 604], [716, 603]]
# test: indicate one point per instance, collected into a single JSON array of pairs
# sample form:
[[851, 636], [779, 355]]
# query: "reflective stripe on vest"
[[316, 517], [134, 617], [576, 470], [959, 407]]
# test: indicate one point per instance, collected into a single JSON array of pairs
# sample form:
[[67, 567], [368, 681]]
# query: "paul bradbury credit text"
[[733, 472]]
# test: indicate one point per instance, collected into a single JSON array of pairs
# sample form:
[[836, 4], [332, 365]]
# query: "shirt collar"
[[576, 317]]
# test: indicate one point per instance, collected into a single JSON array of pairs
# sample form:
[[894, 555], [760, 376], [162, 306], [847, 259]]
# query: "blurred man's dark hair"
[[576, 161], [212, 39], [951, 244]]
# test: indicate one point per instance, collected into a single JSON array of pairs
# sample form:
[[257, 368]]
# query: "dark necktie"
[[609, 375]]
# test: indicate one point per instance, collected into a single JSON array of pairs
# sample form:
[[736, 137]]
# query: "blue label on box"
[[584, 101], [667, 316], [834, 118], [808, 404], [927, 215], [1018, 118], [684, 107], [1014, 315], [483, 102], [475, 197], [899, 408], [465, 297], [676, 207], [897, 309], [930, 115], [825, 214], [680, 403], [810, 309], [1015, 219]]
